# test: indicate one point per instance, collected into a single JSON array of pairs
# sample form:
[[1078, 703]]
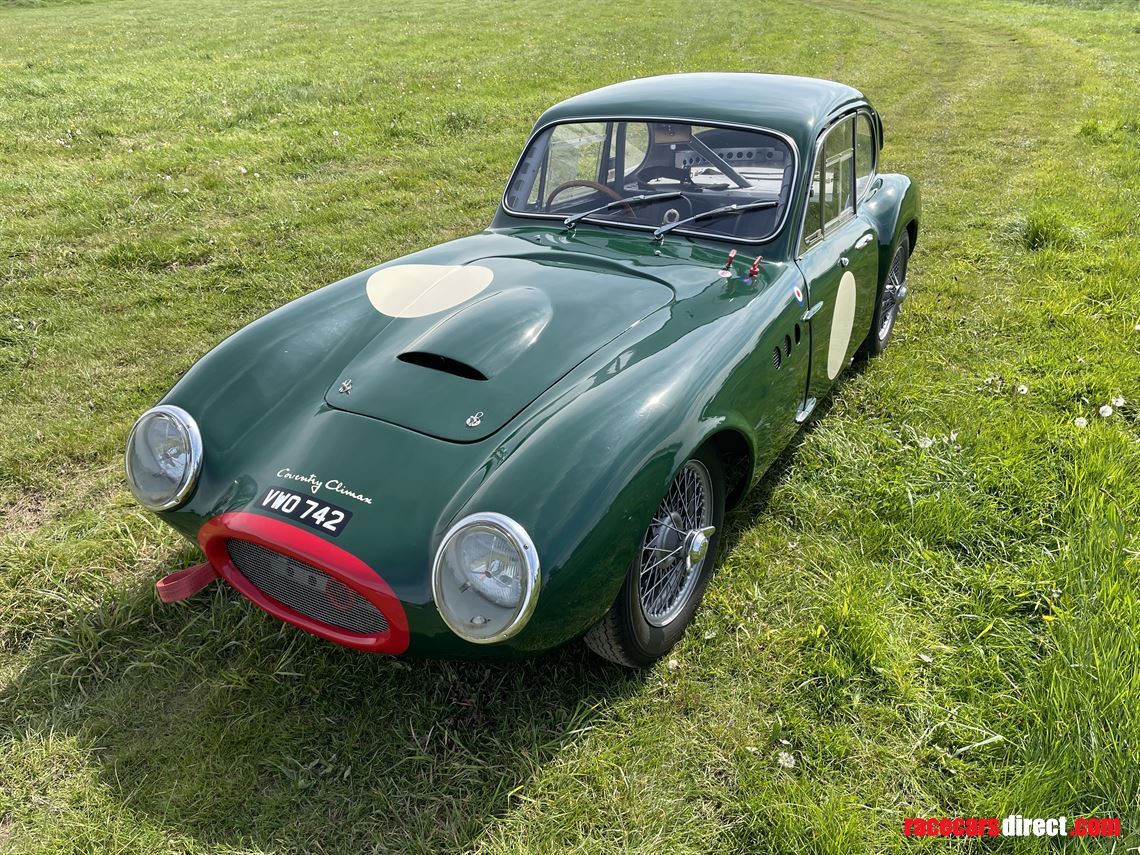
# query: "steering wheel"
[[582, 182]]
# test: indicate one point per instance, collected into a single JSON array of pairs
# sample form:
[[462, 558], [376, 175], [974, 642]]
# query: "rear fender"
[[894, 204]]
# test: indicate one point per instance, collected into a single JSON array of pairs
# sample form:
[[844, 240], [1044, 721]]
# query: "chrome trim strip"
[[681, 119], [518, 535]]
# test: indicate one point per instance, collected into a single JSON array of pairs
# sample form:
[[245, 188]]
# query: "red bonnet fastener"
[[754, 270], [185, 583]]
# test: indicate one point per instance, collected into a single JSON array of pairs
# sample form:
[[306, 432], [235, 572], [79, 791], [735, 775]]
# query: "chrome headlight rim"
[[522, 541], [190, 479]]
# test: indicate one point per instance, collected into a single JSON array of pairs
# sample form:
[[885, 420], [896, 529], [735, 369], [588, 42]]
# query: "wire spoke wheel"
[[669, 570], [889, 305], [671, 555]]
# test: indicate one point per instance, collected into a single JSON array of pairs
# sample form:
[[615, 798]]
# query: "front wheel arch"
[[626, 634], [737, 460]]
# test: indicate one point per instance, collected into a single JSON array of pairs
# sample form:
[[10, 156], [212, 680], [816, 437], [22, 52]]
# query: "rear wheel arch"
[[894, 209]]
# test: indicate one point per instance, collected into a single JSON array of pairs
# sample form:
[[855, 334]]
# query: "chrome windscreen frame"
[[773, 235]]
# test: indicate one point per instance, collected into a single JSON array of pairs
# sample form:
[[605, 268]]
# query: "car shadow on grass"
[[230, 728], [227, 727]]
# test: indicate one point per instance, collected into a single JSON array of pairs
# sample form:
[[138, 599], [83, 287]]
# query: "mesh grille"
[[306, 589]]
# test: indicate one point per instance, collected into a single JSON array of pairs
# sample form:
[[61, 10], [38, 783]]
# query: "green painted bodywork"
[[644, 354]]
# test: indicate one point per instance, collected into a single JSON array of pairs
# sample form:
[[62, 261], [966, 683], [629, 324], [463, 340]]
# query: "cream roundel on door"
[[842, 322], [415, 290]]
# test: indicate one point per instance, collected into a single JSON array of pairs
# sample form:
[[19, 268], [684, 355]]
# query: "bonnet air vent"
[[446, 364]]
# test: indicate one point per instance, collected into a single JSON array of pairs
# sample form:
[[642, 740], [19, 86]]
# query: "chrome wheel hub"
[[698, 544], [676, 545]]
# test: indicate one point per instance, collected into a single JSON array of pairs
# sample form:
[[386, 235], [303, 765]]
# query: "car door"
[[839, 260]]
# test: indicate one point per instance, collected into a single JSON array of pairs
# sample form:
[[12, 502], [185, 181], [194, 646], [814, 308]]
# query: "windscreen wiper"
[[570, 221], [661, 231]]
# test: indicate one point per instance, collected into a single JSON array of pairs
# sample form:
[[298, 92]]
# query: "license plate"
[[322, 516]]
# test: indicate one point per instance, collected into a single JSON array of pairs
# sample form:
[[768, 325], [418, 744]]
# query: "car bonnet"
[[460, 349]]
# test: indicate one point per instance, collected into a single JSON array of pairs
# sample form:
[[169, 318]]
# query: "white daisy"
[[1118, 402], [786, 760], [1105, 411], [1081, 422]]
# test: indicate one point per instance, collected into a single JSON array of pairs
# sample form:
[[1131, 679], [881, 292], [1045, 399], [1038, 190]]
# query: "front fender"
[[598, 458]]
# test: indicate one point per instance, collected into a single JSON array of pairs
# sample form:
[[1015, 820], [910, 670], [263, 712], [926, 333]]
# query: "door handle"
[[843, 262], [810, 313], [863, 241]]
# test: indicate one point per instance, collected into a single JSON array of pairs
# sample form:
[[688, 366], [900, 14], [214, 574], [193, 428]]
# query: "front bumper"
[[300, 579]]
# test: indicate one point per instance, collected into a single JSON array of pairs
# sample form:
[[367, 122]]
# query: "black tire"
[[886, 303], [627, 635]]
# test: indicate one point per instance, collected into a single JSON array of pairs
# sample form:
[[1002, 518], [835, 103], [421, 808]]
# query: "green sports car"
[[510, 440]]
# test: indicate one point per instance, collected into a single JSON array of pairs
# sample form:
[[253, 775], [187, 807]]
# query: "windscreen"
[[573, 167]]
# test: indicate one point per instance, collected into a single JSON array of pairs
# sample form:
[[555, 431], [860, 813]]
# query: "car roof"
[[795, 106]]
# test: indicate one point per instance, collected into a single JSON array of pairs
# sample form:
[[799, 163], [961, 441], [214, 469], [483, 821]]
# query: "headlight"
[[164, 457], [485, 578]]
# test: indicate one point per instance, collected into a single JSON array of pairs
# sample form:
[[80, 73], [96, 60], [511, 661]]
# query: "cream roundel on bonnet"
[[415, 290]]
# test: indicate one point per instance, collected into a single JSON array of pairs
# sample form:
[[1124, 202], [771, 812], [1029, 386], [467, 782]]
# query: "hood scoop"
[[461, 373], [439, 362]]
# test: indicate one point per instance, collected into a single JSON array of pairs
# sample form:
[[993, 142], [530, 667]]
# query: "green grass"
[[942, 561]]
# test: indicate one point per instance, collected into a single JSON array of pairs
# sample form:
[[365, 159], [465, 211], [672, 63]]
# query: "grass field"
[[931, 603]]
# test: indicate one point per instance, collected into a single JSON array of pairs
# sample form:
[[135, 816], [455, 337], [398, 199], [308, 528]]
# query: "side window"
[[831, 196], [864, 154], [838, 172]]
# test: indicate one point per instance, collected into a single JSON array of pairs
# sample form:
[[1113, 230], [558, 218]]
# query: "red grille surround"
[[309, 549]]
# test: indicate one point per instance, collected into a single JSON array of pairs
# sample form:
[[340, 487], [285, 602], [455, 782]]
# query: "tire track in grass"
[[1046, 112], [973, 74]]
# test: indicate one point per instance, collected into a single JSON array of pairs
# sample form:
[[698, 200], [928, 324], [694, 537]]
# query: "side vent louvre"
[[446, 364]]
